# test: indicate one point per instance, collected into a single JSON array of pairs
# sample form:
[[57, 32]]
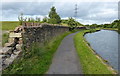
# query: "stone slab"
[[7, 44], [11, 40], [4, 50], [13, 35]]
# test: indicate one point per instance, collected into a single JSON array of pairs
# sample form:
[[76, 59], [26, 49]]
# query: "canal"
[[105, 43]]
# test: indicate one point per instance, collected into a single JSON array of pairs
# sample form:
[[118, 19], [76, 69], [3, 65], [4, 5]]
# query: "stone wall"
[[26, 35], [41, 33], [12, 49]]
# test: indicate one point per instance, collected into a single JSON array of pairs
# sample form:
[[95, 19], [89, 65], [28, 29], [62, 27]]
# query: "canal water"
[[105, 43]]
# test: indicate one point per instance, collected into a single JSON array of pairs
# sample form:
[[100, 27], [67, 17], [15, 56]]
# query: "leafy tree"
[[45, 19], [115, 25], [87, 25], [93, 25], [72, 23], [78, 24], [64, 21], [54, 17]]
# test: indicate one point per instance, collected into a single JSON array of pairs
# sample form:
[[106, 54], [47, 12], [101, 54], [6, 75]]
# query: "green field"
[[4, 38], [90, 63], [37, 60], [9, 25]]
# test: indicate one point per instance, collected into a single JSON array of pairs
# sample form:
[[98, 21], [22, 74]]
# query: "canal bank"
[[105, 44], [91, 62]]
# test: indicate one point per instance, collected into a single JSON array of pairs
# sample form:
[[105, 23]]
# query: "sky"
[[89, 12]]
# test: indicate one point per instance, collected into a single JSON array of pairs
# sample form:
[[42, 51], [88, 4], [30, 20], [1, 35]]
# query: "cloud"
[[31, 8], [60, 0], [88, 12]]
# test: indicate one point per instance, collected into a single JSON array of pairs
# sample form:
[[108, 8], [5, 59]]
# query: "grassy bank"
[[91, 64], [115, 29], [37, 60], [9, 25], [5, 38]]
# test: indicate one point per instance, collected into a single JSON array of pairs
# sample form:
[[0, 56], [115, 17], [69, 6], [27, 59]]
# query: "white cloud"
[[60, 0], [88, 12]]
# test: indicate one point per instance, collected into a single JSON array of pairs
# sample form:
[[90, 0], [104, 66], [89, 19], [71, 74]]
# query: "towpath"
[[65, 60]]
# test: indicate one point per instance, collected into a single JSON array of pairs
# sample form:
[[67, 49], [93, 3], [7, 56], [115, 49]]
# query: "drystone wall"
[[41, 33], [25, 35], [12, 49]]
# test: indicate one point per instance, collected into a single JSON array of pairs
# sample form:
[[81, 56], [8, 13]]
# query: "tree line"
[[53, 18], [114, 24]]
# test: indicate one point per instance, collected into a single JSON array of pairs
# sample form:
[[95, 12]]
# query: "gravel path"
[[65, 60]]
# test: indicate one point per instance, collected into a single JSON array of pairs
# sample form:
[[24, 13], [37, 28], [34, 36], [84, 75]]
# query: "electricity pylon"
[[75, 11]]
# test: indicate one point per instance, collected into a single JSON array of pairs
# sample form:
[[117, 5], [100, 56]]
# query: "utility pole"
[[75, 11]]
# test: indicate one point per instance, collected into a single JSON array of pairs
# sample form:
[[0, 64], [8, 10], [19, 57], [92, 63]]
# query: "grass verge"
[[37, 60], [91, 64], [9, 25]]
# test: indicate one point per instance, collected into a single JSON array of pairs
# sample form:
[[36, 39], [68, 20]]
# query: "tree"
[[54, 18], [64, 21], [45, 19], [72, 23], [93, 25], [20, 18]]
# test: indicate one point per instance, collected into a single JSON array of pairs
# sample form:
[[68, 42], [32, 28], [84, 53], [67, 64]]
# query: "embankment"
[[91, 62]]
